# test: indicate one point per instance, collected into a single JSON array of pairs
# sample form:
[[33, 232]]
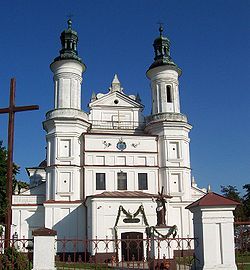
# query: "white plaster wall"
[[104, 212], [65, 153], [25, 219], [135, 143], [111, 179], [178, 215], [174, 157], [67, 84], [64, 183], [213, 227], [161, 77], [114, 107], [68, 219], [102, 156], [44, 253]]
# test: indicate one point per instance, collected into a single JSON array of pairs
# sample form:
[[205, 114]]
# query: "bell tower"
[[168, 122], [65, 125], [68, 68], [164, 74]]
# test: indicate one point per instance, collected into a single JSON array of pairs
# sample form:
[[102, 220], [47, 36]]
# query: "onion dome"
[[69, 41], [162, 53]]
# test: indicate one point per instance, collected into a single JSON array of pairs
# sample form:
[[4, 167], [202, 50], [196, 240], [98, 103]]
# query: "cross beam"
[[11, 110]]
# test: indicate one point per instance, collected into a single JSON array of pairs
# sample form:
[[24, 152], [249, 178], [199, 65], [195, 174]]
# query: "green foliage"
[[246, 201], [232, 192], [22, 185], [3, 173], [1, 230], [13, 259]]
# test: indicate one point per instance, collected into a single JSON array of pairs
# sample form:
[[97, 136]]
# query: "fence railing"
[[242, 244], [151, 253], [18, 256], [117, 125]]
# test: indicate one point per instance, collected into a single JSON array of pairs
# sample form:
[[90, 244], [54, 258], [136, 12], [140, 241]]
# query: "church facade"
[[106, 168]]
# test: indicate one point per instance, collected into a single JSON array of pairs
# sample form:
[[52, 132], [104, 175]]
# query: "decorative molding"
[[106, 144], [140, 210], [121, 145], [135, 144], [167, 117], [172, 230]]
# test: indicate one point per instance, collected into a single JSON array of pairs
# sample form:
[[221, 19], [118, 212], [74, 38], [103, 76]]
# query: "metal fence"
[[151, 253], [242, 244], [18, 256]]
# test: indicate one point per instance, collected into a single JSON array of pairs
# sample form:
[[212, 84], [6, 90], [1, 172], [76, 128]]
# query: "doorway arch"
[[132, 246]]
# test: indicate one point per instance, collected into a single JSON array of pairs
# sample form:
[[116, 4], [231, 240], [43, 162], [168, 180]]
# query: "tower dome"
[[67, 69], [162, 53], [69, 40]]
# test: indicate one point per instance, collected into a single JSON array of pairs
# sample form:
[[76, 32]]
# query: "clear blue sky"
[[210, 41]]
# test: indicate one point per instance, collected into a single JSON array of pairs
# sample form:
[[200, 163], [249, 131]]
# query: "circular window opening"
[[116, 101]]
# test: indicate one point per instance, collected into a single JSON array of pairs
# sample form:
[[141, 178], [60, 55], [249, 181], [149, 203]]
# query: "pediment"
[[116, 100]]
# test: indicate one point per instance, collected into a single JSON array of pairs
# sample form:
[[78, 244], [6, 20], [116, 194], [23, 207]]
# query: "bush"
[[12, 259]]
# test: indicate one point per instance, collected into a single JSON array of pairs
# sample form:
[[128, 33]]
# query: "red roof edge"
[[213, 199], [65, 202], [44, 232]]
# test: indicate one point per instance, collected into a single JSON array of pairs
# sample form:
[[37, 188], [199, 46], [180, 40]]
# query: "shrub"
[[12, 259]]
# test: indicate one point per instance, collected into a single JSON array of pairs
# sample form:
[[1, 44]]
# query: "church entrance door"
[[132, 246]]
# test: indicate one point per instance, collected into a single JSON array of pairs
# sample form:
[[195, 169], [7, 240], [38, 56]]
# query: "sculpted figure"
[[161, 209]]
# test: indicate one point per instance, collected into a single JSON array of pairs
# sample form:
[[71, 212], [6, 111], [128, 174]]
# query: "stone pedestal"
[[44, 249], [213, 227], [162, 250], [161, 247]]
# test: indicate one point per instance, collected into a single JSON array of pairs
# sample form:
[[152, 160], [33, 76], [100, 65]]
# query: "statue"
[[161, 209]]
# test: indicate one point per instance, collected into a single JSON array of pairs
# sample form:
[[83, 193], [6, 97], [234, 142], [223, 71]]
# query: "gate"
[[132, 246], [129, 252]]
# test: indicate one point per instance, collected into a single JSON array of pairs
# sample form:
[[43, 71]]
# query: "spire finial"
[[69, 23], [209, 190], [161, 29], [115, 85]]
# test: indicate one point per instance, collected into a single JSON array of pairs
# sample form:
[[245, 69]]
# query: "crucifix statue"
[[11, 110], [161, 209]]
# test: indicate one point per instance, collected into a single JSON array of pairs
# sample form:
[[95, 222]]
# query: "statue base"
[[162, 264], [162, 249]]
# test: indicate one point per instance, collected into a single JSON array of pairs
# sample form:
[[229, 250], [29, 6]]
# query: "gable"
[[115, 100]]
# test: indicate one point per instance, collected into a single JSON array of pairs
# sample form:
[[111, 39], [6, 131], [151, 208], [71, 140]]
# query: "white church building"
[[105, 168]]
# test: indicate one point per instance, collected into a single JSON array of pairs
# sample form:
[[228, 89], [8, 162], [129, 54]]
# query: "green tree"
[[3, 173], [232, 192], [246, 201]]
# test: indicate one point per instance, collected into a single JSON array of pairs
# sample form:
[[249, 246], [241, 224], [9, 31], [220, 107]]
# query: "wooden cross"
[[11, 110]]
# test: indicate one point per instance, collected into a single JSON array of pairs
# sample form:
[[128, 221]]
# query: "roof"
[[126, 194], [44, 232], [213, 199], [43, 164]]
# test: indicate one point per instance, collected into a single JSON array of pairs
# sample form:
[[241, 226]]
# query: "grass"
[[242, 257], [243, 260], [65, 265], [243, 266]]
